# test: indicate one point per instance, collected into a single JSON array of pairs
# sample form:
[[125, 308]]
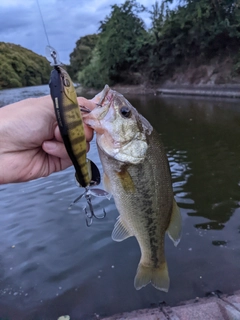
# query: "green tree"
[[195, 29], [94, 75], [123, 40], [21, 67], [191, 31], [82, 54], [158, 16]]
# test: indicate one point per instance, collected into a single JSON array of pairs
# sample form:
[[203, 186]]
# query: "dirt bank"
[[123, 89], [217, 78]]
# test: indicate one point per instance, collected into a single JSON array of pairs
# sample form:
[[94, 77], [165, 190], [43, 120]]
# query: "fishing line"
[[43, 22]]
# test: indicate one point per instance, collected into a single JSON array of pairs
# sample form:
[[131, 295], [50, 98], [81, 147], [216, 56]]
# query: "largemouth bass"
[[136, 172]]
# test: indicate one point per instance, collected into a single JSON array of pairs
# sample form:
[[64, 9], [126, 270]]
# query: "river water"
[[52, 264]]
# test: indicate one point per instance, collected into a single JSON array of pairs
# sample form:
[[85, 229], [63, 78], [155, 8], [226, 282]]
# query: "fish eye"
[[125, 112]]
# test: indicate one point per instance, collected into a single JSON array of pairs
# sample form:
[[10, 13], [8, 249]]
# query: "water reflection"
[[207, 132]]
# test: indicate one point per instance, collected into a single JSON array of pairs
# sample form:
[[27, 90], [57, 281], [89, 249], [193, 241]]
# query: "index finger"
[[86, 103], [90, 105]]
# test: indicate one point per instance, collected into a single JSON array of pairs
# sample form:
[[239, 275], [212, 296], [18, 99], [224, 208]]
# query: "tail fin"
[[157, 276]]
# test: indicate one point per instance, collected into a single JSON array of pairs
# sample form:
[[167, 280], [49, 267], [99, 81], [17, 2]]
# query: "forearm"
[[7, 164], [6, 139], [5, 129]]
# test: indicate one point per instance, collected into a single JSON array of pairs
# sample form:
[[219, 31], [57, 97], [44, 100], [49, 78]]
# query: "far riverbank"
[[224, 90]]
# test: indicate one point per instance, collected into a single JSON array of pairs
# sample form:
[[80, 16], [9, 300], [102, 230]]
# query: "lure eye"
[[66, 82], [125, 112]]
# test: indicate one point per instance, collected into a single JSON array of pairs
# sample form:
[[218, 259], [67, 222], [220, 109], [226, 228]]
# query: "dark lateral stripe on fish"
[[80, 154], [152, 230], [78, 140], [74, 124]]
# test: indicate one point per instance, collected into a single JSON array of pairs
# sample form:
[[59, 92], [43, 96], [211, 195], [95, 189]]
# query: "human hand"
[[30, 142]]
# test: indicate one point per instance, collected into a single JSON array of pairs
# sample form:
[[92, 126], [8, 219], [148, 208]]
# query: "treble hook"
[[90, 215]]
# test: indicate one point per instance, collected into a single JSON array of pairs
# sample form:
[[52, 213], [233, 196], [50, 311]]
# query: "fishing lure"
[[72, 131]]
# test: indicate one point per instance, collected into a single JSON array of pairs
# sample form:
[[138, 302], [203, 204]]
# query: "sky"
[[65, 21]]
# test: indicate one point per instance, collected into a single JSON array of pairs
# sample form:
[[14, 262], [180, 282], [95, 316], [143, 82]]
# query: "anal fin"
[[120, 231]]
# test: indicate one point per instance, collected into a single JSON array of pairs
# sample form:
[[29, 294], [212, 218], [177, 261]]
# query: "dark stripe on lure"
[[69, 107], [80, 154], [74, 125], [78, 140]]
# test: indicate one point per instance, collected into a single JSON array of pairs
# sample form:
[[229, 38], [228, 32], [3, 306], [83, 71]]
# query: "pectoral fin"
[[175, 225], [120, 231], [106, 183]]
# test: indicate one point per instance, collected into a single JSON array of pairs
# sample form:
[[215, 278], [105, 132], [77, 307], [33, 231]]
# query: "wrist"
[[4, 130]]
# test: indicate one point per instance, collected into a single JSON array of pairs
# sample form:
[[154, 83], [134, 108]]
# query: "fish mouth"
[[100, 97], [103, 101], [105, 97], [103, 94]]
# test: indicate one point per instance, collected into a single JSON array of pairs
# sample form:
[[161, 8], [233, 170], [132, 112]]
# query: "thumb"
[[55, 148]]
